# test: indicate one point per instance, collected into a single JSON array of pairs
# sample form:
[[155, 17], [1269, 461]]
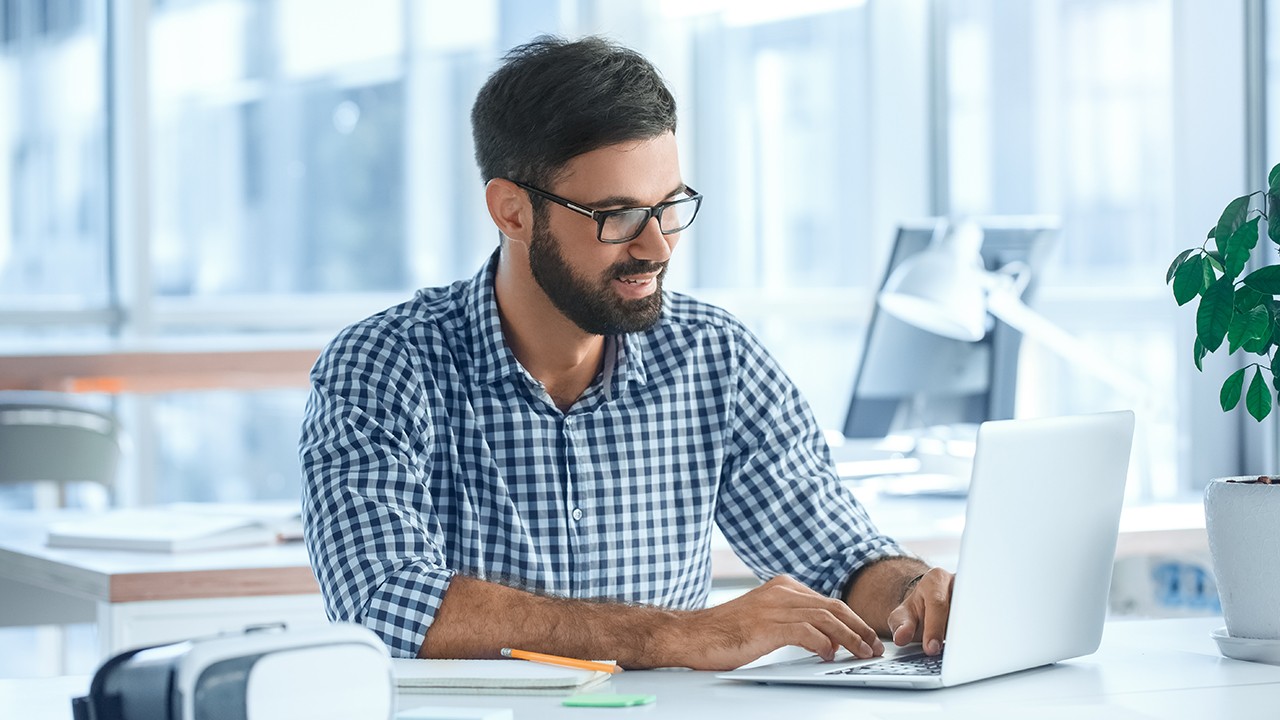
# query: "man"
[[536, 457]]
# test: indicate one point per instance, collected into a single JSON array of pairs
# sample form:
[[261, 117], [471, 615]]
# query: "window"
[[1066, 108], [309, 162], [1272, 50], [53, 170], [294, 113]]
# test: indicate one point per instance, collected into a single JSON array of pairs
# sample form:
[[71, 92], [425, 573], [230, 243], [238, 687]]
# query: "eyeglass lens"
[[627, 224]]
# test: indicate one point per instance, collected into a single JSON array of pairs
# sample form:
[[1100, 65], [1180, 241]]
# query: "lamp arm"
[[1009, 308]]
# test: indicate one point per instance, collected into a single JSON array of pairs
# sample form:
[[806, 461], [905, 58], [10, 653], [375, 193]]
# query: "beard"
[[593, 305]]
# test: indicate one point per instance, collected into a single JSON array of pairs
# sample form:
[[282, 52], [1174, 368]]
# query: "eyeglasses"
[[625, 224]]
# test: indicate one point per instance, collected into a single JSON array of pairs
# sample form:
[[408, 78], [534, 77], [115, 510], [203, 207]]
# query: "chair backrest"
[[52, 437]]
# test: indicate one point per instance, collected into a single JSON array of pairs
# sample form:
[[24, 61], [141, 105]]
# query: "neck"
[[555, 351]]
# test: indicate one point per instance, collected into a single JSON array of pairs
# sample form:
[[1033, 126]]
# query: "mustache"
[[636, 267]]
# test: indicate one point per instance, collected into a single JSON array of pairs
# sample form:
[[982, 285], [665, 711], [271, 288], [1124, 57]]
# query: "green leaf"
[[1213, 260], [1275, 371], [1247, 298], [1261, 345], [1265, 280], [1214, 314], [1257, 346], [1182, 256], [1273, 180], [1229, 395], [1232, 217], [1212, 230], [1188, 281], [1209, 275], [1273, 215], [1246, 325], [1258, 399], [1198, 352], [1239, 246]]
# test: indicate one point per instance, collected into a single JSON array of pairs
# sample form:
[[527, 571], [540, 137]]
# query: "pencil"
[[560, 661]]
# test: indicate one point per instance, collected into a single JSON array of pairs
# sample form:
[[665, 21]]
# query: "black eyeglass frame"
[[602, 216]]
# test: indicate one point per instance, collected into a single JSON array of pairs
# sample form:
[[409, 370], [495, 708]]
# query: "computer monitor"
[[910, 379]]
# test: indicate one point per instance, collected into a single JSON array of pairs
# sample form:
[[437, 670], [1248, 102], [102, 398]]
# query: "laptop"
[[1035, 560]]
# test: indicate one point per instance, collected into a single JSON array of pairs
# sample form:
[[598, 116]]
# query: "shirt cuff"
[[405, 606], [885, 549]]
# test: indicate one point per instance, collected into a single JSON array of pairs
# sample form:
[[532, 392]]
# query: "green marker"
[[601, 700]]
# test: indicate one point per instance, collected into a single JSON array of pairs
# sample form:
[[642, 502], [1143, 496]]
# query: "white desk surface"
[[1145, 669]]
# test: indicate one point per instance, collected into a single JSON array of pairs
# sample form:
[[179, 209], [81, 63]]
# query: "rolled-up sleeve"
[[781, 505], [375, 543]]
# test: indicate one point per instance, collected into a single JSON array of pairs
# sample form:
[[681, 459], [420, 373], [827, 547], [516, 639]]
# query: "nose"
[[651, 244]]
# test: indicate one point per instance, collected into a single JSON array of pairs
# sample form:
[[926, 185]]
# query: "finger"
[[854, 622], [937, 607], [791, 593], [902, 623], [812, 639], [836, 631]]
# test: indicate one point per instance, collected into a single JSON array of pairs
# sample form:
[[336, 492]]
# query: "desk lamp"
[[946, 290]]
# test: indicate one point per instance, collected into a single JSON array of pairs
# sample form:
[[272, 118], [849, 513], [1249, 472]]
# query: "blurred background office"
[[238, 170]]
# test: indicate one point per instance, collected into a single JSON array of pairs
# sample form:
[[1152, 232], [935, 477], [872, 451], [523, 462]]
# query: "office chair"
[[48, 437], [53, 441]]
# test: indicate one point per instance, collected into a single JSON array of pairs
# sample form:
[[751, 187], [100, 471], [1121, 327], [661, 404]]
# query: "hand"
[[780, 612], [922, 616]]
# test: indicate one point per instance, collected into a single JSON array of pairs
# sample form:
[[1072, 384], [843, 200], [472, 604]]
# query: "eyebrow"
[[626, 201]]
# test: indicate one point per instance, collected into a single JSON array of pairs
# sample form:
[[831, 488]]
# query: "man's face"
[[593, 303], [607, 289]]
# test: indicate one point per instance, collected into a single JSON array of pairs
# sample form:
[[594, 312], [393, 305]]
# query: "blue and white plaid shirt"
[[428, 450]]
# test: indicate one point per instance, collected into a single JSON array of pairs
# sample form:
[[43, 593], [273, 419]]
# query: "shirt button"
[[577, 513]]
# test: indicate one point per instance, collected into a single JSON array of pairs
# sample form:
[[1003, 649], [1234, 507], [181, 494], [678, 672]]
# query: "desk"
[[140, 598], [1145, 669]]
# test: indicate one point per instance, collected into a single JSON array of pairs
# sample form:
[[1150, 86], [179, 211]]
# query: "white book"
[[491, 677], [161, 529], [283, 516]]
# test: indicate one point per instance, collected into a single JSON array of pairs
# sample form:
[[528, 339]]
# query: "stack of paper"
[[491, 677]]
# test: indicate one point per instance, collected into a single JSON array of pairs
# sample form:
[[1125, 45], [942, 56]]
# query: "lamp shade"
[[942, 289]]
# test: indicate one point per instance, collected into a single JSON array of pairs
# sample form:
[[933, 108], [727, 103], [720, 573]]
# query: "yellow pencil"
[[560, 661]]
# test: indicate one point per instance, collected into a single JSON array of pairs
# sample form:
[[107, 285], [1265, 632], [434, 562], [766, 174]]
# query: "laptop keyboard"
[[916, 664]]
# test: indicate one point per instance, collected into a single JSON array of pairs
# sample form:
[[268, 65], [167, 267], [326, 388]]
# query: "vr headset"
[[341, 671]]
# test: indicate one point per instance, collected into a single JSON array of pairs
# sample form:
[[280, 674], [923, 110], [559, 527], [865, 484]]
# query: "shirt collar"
[[493, 359], [629, 364]]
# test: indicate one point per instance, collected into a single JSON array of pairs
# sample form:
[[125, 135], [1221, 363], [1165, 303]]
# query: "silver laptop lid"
[[1039, 543]]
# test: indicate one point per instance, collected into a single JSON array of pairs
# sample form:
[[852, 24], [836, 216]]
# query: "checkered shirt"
[[428, 450]]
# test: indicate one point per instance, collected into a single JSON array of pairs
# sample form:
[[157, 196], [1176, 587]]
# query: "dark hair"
[[553, 100]]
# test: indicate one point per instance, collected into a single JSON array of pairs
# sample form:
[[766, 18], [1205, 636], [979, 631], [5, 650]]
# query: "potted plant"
[[1241, 310]]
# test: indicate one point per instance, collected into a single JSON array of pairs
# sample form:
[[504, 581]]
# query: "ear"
[[510, 209]]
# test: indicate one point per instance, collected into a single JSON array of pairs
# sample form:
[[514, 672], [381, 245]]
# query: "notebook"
[[491, 677], [1035, 561], [179, 528]]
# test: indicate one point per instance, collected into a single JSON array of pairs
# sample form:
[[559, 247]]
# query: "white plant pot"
[[1243, 523]]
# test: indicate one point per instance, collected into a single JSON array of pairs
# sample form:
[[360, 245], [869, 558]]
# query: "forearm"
[[879, 588], [478, 618]]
